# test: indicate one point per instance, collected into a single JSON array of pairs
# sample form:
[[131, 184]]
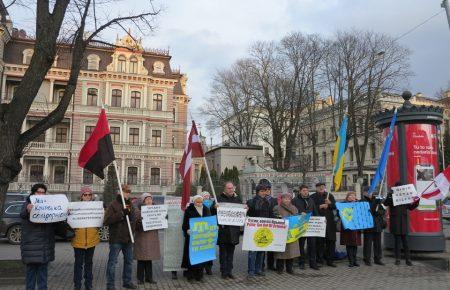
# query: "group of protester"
[[38, 240]]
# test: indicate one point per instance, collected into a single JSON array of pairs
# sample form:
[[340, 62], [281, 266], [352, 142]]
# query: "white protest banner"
[[231, 214], [154, 217], [85, 214], [173, 238], [403, 194], [317, 227], [264, 234], [48, 208]]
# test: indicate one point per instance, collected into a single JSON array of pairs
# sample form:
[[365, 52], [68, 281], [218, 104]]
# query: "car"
[[10, 222], [446, 209]]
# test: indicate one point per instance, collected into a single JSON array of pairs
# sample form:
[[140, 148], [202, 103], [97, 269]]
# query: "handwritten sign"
[[403, 194], [202, 239], [48, 208], [85, 214], [173, 239], [317, 226], [231, 214], [355, 215], [154, 217], [298, 224], [264, 234]]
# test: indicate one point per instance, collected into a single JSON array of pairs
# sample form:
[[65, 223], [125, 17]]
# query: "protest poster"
[[173, 237], [231, 214], [264, 234], [48, 208], [403, 194], [355, 215], [85, 214], [154, 217], [298, 224], [317, 226], [202, 239]]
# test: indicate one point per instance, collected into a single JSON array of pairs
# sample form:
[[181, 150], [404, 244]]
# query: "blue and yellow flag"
[[339, 154]]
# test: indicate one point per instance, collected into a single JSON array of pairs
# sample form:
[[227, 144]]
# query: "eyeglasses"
[[87, 194]]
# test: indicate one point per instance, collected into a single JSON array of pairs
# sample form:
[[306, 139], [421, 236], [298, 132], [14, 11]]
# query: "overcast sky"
[[206, 35]]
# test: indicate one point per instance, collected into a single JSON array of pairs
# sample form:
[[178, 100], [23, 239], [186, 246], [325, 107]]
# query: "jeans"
[[255, 262], [37, 272], [83, 257], [226, 254], [397, 250], [114, 250], [369, 240]]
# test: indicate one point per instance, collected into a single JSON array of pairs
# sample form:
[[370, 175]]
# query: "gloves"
[[126, 211]]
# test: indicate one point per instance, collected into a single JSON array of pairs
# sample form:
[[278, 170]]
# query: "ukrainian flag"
[[339, 154]]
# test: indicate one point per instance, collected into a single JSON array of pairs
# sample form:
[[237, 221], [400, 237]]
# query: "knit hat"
[[85, 189], [206, 193], [144, 196], [195, 197]]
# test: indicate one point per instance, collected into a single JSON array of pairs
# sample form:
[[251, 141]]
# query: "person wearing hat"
[[83, 244], [194, 210], [119, 239], [273, 202], [146, 245], [292, 251], [211, 205], [258, 206], [372, 236], [325, 203]]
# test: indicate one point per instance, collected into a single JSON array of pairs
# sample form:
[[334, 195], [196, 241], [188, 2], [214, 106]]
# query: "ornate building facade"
[[145, 101]]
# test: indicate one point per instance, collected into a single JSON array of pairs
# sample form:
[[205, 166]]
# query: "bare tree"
[[60, 23]]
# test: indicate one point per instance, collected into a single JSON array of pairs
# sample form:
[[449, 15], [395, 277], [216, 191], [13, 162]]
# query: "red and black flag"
[[98, 152]]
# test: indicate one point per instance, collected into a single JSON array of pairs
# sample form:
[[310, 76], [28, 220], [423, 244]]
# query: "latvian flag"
[[98, 151], [192, 149], [442, 185]]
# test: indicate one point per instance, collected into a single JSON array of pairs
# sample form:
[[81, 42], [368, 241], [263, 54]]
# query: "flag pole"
[[210, 180]]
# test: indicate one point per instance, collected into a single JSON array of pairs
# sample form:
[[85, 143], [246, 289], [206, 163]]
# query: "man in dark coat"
[[372, 236], [37, 246], [305, 204], [258, 206], [273, 202], [119, 239], [399, 225], [325, 203], [228, 235]]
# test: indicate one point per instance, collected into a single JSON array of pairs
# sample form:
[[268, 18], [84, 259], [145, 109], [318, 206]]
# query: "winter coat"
[[351, 237], [191, 212], [146, 244], [116, 220], [85, 238], [292, 249], [305, 205], [378, 213], [38, 239], [260, 207], [327, 213], [228, 234], [399, 216]]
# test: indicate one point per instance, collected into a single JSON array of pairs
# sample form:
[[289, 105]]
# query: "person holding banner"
[[399, 225], [325, 203], [194, 210], [273, 202], [37, 246], [305, 204], [285, 209], [372, 236], [351, 238], [119, 239], [228, 235], [83, 244], [211, 205]]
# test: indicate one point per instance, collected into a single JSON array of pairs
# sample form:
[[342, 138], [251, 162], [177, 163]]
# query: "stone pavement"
[[428, 272]]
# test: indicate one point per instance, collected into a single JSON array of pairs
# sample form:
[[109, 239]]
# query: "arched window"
[[157, 102], [92, 95], [93, 62], [122, 64], [135, 99], [133, 65], [27, 55], [116, 98]]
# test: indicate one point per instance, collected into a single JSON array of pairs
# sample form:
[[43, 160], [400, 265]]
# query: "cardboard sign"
[[173, 237], [231, 214], [298, 224], [48, 208], [85, 214], [154, 217], [317, 227], [355, 215], [403, 194], [202, 239], [264, 234]]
